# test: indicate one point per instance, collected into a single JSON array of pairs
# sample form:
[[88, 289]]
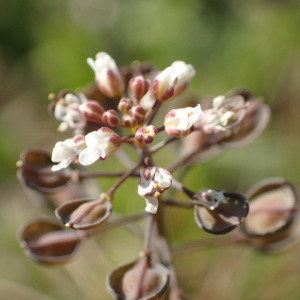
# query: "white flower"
[[178, 122], [184, 74], [226, 114], [100, 144], [108, 76], [172, 81], [153, 182], [67, 151], [67, 111]]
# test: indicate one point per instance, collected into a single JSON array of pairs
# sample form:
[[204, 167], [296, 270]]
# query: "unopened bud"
[[92, 111], [146, 135], [125, 105], [129, 121], [108, 76], [137, 113], [110, 118], [139, 86]]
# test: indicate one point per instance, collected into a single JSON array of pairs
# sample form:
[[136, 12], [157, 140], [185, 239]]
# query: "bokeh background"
[[253, 43]]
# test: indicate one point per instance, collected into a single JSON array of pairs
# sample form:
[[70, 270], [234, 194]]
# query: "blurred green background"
[[43, 48]]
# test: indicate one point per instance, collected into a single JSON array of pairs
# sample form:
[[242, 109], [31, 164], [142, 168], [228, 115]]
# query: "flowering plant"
[[138, 92]]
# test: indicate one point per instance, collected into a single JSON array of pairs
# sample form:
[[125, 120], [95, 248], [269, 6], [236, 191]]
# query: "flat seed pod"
[[48, 242], [273, 205], [121, 282], [47, 188], [84, 214], [229, 214]]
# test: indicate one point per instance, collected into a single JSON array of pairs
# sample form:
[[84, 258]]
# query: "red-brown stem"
[[179, 186], [164, 251], [112, 224], [151, 113], [160, 145], [142, 272], [127, 174], [84, 175]]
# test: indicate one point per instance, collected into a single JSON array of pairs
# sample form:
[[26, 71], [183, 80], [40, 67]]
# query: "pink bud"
[[125, 105], [139, 86], [110, 118], [137, 113], [146, 135], [163, 84], [92, 111], [128, 121]]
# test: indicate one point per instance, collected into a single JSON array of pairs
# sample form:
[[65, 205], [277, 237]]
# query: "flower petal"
[[88, 156], [151, 204]]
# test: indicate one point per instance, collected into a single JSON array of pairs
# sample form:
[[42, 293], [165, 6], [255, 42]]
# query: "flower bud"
[[163, 84], [137, 113], [184, 75], [110, 118], [146, 135], [129, 121], [92, 111], [125, 105], [108, 76], [178, 122], [100, 144], [139, 86]]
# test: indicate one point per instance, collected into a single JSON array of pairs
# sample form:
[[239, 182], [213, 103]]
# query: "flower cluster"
[[118, 110]]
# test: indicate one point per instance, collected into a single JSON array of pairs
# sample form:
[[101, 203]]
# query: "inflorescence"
[[119, 110]]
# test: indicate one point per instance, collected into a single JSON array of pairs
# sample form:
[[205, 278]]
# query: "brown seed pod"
[[273, 207], [48, 242], [222, 219], [47, 188], [121, 282], [84, 214]]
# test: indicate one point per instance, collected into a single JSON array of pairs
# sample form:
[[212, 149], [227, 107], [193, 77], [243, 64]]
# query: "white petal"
[[180, 121], [196, 115], [217, 102], [151, 204], [164, 177], [64, 163], [88, 156]]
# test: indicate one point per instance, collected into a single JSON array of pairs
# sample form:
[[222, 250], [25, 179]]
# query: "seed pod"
[[110, 118], [223, 218], [48, 242], [46, 187], [125, 105], [272, 213], [84, 214], [121, 282]]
